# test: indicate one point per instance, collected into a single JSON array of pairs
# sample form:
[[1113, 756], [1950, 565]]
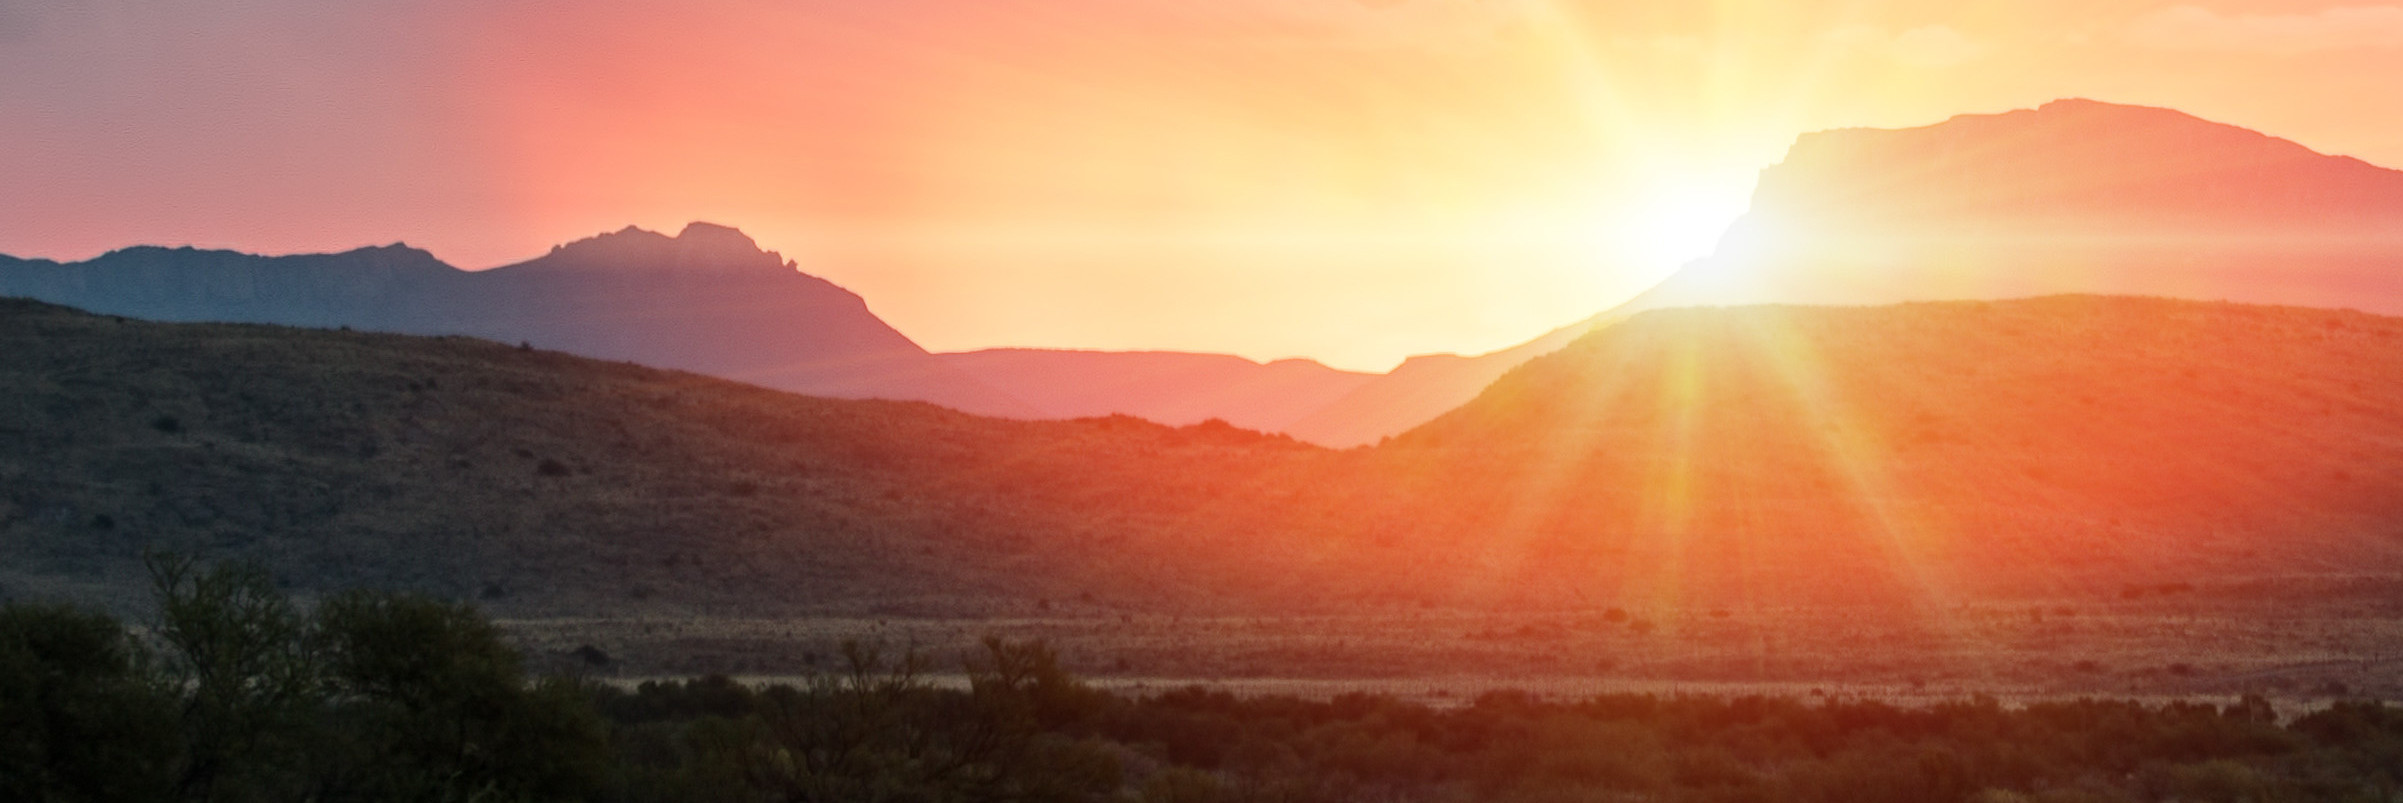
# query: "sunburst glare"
[[1677, 219]]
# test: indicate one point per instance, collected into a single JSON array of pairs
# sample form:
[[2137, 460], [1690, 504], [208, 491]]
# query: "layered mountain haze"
[[2076, 196], [706, 300], [710, 300], [1170, 387], [1423, 387]]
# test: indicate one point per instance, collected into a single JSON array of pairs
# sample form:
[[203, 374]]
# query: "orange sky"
[[1342, 179]]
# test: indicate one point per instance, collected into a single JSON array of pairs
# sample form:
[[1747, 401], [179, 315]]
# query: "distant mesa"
[[2076, 196]]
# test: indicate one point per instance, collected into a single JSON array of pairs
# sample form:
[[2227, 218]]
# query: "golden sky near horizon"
[[1349, 180]]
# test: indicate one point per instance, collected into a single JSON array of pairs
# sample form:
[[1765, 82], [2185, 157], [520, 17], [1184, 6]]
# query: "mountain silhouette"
[[2076, 196], [706, 300], [710, 300]]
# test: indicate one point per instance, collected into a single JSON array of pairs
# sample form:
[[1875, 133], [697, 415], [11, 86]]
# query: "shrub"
[[82, 717]]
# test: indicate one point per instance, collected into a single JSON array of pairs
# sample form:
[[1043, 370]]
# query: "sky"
[[1353, 181]]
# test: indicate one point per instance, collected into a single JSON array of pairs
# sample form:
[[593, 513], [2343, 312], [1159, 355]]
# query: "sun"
[[1672, 220]]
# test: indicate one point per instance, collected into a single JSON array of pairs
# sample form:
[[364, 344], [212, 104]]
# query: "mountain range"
[[707, 299], [2075, 196]]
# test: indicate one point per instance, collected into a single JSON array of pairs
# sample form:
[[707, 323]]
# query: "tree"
[[237, 651]]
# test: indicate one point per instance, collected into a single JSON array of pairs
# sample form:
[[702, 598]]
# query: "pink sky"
[[1349, 181]]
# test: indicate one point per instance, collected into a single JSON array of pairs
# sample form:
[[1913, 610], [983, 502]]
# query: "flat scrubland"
[[2207, 642], [237, 694]]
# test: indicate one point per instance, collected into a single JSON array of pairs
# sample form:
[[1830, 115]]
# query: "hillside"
[[2045, 446], [1685, 459], [540, 481]]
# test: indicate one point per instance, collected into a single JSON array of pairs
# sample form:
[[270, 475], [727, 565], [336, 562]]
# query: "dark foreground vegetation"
[[236, 693]]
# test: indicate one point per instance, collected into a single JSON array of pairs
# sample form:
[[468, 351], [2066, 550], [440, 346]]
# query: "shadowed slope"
[[554, 483]]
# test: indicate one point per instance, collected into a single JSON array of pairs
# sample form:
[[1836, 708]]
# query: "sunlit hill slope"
[[1764, 456], [2036, 446]]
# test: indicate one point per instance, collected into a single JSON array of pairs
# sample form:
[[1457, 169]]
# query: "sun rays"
[[1711, 461]]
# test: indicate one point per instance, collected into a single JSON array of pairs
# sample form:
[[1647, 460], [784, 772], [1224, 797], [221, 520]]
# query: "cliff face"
[[707, 300]]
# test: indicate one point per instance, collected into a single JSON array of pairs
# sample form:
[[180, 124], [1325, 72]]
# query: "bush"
[[242, 696], [81, 715], [435, 705], [239, 696]]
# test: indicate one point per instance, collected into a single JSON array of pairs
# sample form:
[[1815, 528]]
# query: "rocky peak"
[[700, 247]]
